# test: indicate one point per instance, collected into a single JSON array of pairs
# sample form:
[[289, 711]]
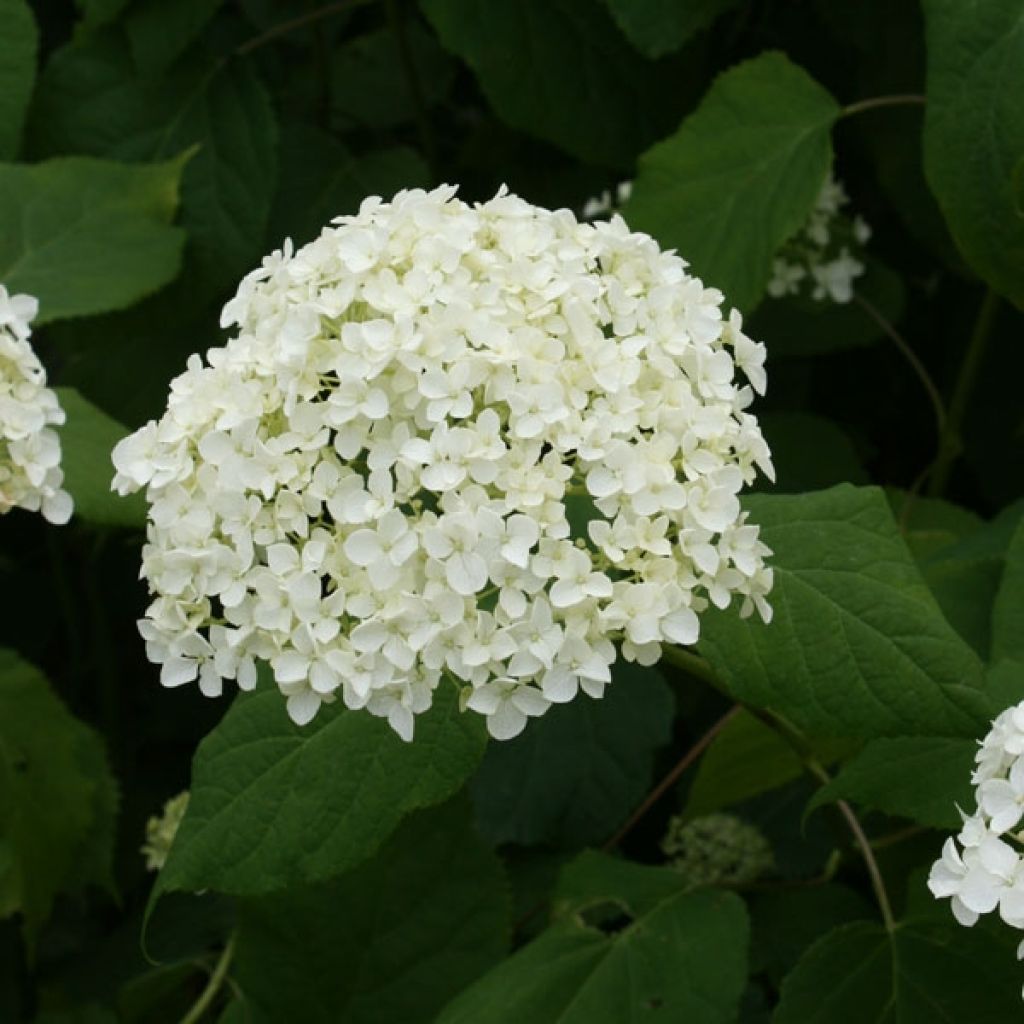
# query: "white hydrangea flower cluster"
[[30, 473], [819, 261], [982, 869], [486, 442]]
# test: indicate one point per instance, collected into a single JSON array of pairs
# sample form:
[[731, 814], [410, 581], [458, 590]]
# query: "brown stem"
[[874, 102], [672, 777], [284, 27]]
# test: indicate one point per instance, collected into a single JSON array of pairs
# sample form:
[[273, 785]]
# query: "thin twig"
[[938, 408], [284, 27], [213, 985], [952, 441], [875, 102], [673, 776]]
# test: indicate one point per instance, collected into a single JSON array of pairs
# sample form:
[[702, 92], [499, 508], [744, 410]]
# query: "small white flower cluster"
[[982, 869], [30, 473], [482, 441], [819, 261], [606, 204]]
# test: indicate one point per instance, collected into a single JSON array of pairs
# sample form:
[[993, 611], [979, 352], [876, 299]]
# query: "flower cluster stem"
[[874, 102], [217, 978], [699, 667], [952, 441]]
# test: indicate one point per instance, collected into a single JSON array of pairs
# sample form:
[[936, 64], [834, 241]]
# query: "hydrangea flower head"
[[981, 870], [486, 444], [30, 473]]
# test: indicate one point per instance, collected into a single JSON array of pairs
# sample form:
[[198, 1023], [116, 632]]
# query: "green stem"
[[952, 442], [213, 985], [938, 409], [699, 667], [875, 102], [285, 27]]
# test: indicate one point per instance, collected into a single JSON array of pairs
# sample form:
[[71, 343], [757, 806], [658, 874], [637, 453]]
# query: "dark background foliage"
[[278, 115]]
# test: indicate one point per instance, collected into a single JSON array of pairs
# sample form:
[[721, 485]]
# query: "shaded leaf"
[[87, 439], [604, 105], [54, 789], [86, 236], [1008, 611], [159, 32], [577, 772], [17, 71], [974, 132], [859, 974], [747, 164], [685, 959], [422, 919], [657, 27]]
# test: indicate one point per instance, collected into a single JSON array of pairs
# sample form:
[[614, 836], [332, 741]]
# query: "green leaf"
[[321, 179], [577, 772], [1008, 610], [90, 98], [275, 804], [594, 878], [87, 439], [54, 792], [784, 922], [857, 646], [365, 90], [657, 27], [685, 959], [86, 236], [422, 919], [159, 32], [747, 758], [747, 164], [860, 974], [923, 778], [974, 132], [17, 71], [604, 105]]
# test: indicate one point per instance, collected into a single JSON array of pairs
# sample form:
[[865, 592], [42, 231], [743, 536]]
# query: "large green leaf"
[[858, 646], [87, 439], [1008, 611], [740, 175], [657, 27], [943, 974], [86, 236], [924, 778], [684, 959], [91, 99], [587, 91], [974, 132], [388, 943], [275, 804], [159, 32], [321, 179], [594, 878], [17, 71], [747, 758], [55, 790], [576, 773]]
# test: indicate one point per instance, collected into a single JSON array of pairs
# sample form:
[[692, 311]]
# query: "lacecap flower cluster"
[[30, 471], [982, 869], [483, 443]]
